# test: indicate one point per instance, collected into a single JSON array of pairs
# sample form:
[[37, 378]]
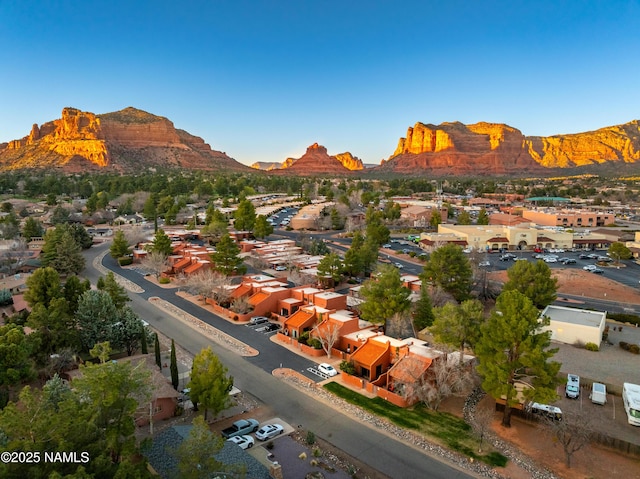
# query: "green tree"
[[435, 219], [449, 268], [512, 348], [81, 236], [216, 226], [458, 324], [384, 295], [175, 380], [118, 293], [156, 347], [42, 287], [144, 348], [353, 259], [226, 258], [423, 311], [464, 218], [245, 216], [119, 246], [377, 232], [161, 243], [209, 383], [196, 454], [534, 280], [32, 228], [330, 267], [15, 364], [96, 316], [54, 328], [68, 259], [73, 289], [125, 333], [483, 217], [619, 251], [114, 391], [262, 228]]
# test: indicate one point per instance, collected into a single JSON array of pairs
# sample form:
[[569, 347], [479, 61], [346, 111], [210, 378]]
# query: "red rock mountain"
[[498, 149], [324, 163], [316, 161], [126, 140]]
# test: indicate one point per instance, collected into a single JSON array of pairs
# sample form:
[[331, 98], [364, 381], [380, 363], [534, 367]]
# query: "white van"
[[598, 393], [572, 389]]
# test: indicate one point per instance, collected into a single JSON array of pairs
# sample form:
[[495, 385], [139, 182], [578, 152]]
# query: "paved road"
[[384, 453]]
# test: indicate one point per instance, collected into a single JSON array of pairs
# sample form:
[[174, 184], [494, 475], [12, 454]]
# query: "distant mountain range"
[[133, 140], [126, 140]]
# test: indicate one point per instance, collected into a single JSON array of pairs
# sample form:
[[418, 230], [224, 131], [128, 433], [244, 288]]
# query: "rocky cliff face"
[[497, 149], [126, 140], [316, 161]]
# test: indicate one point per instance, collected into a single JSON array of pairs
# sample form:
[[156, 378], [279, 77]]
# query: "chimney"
[[275, 471]]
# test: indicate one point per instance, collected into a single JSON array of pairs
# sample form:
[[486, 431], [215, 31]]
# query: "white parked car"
[[484, 264], [245, 442], [550, 259], [259, 320], [269, 431], [327, 369], [590, 267]]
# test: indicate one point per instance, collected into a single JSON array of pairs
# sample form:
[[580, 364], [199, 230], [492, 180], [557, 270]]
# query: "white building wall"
[[569, 333]]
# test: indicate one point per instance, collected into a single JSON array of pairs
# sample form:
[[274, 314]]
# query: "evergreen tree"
[[226, 258], [512, 347], [423, 313], [449, 268], [245, 216], [119, 246], [96, 316], [262, 228], [81, 236], [68, 259], [32, 228], [353, 260], [156, 346], [118, 293], [464, 218], [435, 219], [161, 243], [384, 295], [458, 325], [483, 217], [175, 380], [143, 339], [209, 383], [330, 267], [43, 286], [73, 289], [534, 280], [377, 232]]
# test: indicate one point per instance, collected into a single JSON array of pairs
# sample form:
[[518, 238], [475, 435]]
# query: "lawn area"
[[442, 428]]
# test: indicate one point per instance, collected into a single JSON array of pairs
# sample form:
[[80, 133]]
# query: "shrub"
[[347, 367], [125, 261], [624, 345], [591, 347], [634, 348], [315, 343], [304, 338], [311, 437], [317, 452], [624, 318], [164, 280], [6, 297], [236, 317], [412, 254]]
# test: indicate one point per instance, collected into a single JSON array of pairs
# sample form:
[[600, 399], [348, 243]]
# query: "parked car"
[[245, 442], [484, 264], [583, 256], [386, 245], [259, 320], [240, 428], [269, 431], [327, 369], [398, 265], [568, 261], [272, 327], [597, 271], [281, 268], [589, 267], [550, 259]]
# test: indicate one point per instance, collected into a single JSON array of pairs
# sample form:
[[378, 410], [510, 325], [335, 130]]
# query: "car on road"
[[245, 442], [550, 259], [398, 265], [589, 267], [484, 264], [259, 320], [269, 431], [386, 245], [597, 271], [568, 261], [327, 369]]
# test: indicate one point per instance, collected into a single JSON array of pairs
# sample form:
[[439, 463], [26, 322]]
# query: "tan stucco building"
[[568, 218]]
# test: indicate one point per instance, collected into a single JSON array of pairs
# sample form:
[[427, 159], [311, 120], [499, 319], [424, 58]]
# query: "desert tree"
[[241, 305], [513, 348], [328, 333], [209, 284], [619, 251], [210, 384], [445, 377], [534, 280], [156, 262], [43, 286], [481, 423], [573, 432]]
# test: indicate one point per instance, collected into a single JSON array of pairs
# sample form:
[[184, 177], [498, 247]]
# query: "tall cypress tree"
[[174, 367], [157, 347], [143, 340]]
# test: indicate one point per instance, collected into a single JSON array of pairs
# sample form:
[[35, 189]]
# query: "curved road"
[[372, 446]]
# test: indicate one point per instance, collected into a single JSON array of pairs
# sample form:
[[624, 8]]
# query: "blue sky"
[[262, 80]]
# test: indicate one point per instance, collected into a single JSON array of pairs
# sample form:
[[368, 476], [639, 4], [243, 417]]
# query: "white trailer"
[[631, 400], [598, 393]]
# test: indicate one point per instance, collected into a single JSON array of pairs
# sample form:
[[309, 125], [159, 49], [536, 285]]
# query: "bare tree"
[[299, 278], [481, 424], [445, 377], [155, 262], [328, 333], [573, 432], [135, 234], [209, 284], [14, 257], [241, 305]]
